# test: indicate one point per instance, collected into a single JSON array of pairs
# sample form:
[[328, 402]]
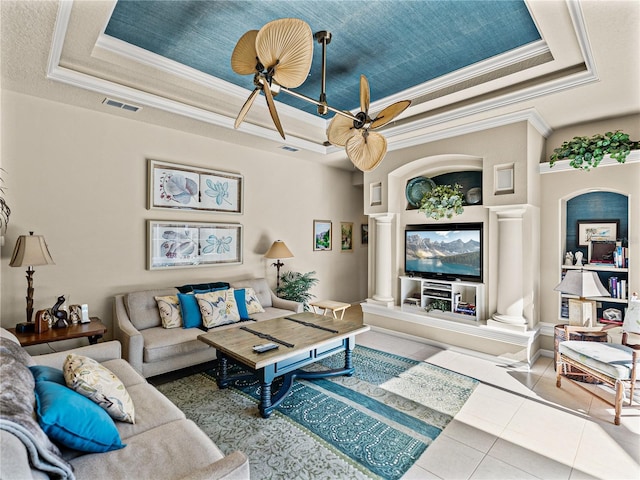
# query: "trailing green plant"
[[442, 201], [295, 286], [586, 153]]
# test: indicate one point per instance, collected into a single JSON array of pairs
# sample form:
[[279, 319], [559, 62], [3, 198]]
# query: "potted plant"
[[586, 153], [442, 201], [295, 286]]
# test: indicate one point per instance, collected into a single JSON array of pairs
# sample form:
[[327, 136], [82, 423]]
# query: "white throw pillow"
[[169, 308], [253, 304], [218, 308], [99, 384]]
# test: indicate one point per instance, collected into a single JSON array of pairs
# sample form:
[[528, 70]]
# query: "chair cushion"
[[609, 358]]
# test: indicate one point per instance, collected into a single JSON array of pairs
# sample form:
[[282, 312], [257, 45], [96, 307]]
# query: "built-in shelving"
[[451, 300]]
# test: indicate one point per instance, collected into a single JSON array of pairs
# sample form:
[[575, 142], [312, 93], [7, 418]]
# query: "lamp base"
[[26, 327], [582, 313]]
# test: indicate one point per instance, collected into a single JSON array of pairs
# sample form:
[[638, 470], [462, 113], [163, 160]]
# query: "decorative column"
[[510, 301], [383, 255]]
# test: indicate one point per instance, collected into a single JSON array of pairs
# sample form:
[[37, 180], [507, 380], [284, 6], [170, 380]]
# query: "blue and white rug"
[[375, 424]]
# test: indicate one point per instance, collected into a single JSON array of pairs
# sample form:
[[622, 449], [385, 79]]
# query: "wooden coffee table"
[[302, 338]]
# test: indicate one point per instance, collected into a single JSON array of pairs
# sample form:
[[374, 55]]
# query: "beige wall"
[[80, 178]]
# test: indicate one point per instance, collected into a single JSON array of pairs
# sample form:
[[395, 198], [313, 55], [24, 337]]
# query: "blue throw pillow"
[[73, 420], [242, 303], [42, 373], [190, 310]]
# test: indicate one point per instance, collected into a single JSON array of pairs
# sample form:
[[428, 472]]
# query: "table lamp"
[[30, 251], [278, 250], [582, 312]]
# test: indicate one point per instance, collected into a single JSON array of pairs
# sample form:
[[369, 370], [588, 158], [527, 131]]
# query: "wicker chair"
[[613, 364]]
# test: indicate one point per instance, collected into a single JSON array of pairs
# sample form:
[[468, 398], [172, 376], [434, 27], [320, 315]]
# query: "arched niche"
[[429, 167]]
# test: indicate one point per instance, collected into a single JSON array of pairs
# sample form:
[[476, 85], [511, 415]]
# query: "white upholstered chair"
[[613, 364]]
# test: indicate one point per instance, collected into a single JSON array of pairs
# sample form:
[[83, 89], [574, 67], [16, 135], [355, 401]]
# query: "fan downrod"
[[324, 38]]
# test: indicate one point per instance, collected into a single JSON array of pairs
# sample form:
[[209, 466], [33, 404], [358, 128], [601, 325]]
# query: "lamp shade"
[[583, 284], [278, 250], [31, 250], [631, 322]]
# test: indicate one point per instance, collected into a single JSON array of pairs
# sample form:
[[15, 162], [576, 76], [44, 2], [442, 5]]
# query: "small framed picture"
[[597, 230], [321, 235], [364, 233], [346, 237]]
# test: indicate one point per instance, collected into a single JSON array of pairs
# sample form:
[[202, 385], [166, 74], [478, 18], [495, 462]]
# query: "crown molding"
[[129, 94]]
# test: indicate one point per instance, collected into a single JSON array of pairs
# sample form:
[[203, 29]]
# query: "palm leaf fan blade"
[[389, 113], [245, 108], [287, 45], [272, 108], [365, 95], [340, 130], [366, 149], [244, 56]]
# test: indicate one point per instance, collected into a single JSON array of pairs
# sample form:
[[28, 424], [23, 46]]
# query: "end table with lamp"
[[93, 331]]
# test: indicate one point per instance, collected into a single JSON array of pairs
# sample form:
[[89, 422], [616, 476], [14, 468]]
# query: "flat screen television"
[[450, 251]]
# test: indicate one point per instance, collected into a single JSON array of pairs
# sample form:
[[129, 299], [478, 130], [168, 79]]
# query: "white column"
[[383, 255], [510, 301]]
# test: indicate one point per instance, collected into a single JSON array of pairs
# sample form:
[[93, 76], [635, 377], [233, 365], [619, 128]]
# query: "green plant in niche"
[[295, 286], [443, 305], [586, 153], [442, 201]]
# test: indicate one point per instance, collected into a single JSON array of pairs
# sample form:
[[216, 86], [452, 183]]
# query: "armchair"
[[613, 364]]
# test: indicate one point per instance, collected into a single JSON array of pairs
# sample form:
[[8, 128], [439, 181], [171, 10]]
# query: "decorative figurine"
[[579, 258], [568, 258], [60, 314]]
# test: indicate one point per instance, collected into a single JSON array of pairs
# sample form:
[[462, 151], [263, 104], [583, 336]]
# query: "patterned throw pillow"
[[169, 308], [218, 308], [99, 384], [253, 304]]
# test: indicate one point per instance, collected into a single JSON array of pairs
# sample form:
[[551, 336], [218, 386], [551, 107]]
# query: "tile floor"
[[518, 425]]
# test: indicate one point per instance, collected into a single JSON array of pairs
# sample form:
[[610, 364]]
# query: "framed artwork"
[[193, 244], [346, 237], [597, 230], [321, 235], [179, 186], [364, 233]]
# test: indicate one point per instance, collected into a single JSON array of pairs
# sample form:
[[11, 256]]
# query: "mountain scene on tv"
[[455, 253]]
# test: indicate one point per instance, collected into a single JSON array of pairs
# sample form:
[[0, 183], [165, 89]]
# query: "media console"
[[450, 300]]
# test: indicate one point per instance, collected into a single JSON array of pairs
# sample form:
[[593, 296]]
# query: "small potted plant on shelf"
[[586, 153], [442, 201], [295, 286]]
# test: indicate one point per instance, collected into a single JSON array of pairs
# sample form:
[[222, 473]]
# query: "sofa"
[[152, 349], [161, 444]]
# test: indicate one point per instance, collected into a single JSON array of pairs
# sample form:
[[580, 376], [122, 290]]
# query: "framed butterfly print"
[[193, 244], [171, 185]]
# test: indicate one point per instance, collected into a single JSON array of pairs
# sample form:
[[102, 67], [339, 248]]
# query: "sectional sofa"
[[161, 444], [152, 349]]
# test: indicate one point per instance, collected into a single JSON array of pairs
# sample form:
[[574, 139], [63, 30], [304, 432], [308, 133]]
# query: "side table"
[[322, 307], [560, 336], [94, 330]]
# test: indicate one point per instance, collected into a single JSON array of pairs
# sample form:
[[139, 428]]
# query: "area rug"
[[375, 424]]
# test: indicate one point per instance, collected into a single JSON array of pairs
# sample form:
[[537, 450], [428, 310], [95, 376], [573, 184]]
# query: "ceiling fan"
[[279, 58]]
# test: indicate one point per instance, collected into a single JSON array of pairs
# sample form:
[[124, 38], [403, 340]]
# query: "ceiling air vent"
[[288, 148], [121, 105]]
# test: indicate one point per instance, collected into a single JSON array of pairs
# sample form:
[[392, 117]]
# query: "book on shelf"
[[618, 288]]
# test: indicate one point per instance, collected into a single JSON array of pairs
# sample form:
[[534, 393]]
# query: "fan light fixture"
[[279, 57]]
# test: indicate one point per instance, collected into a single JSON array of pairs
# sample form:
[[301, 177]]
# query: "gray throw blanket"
[[17, 400]]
